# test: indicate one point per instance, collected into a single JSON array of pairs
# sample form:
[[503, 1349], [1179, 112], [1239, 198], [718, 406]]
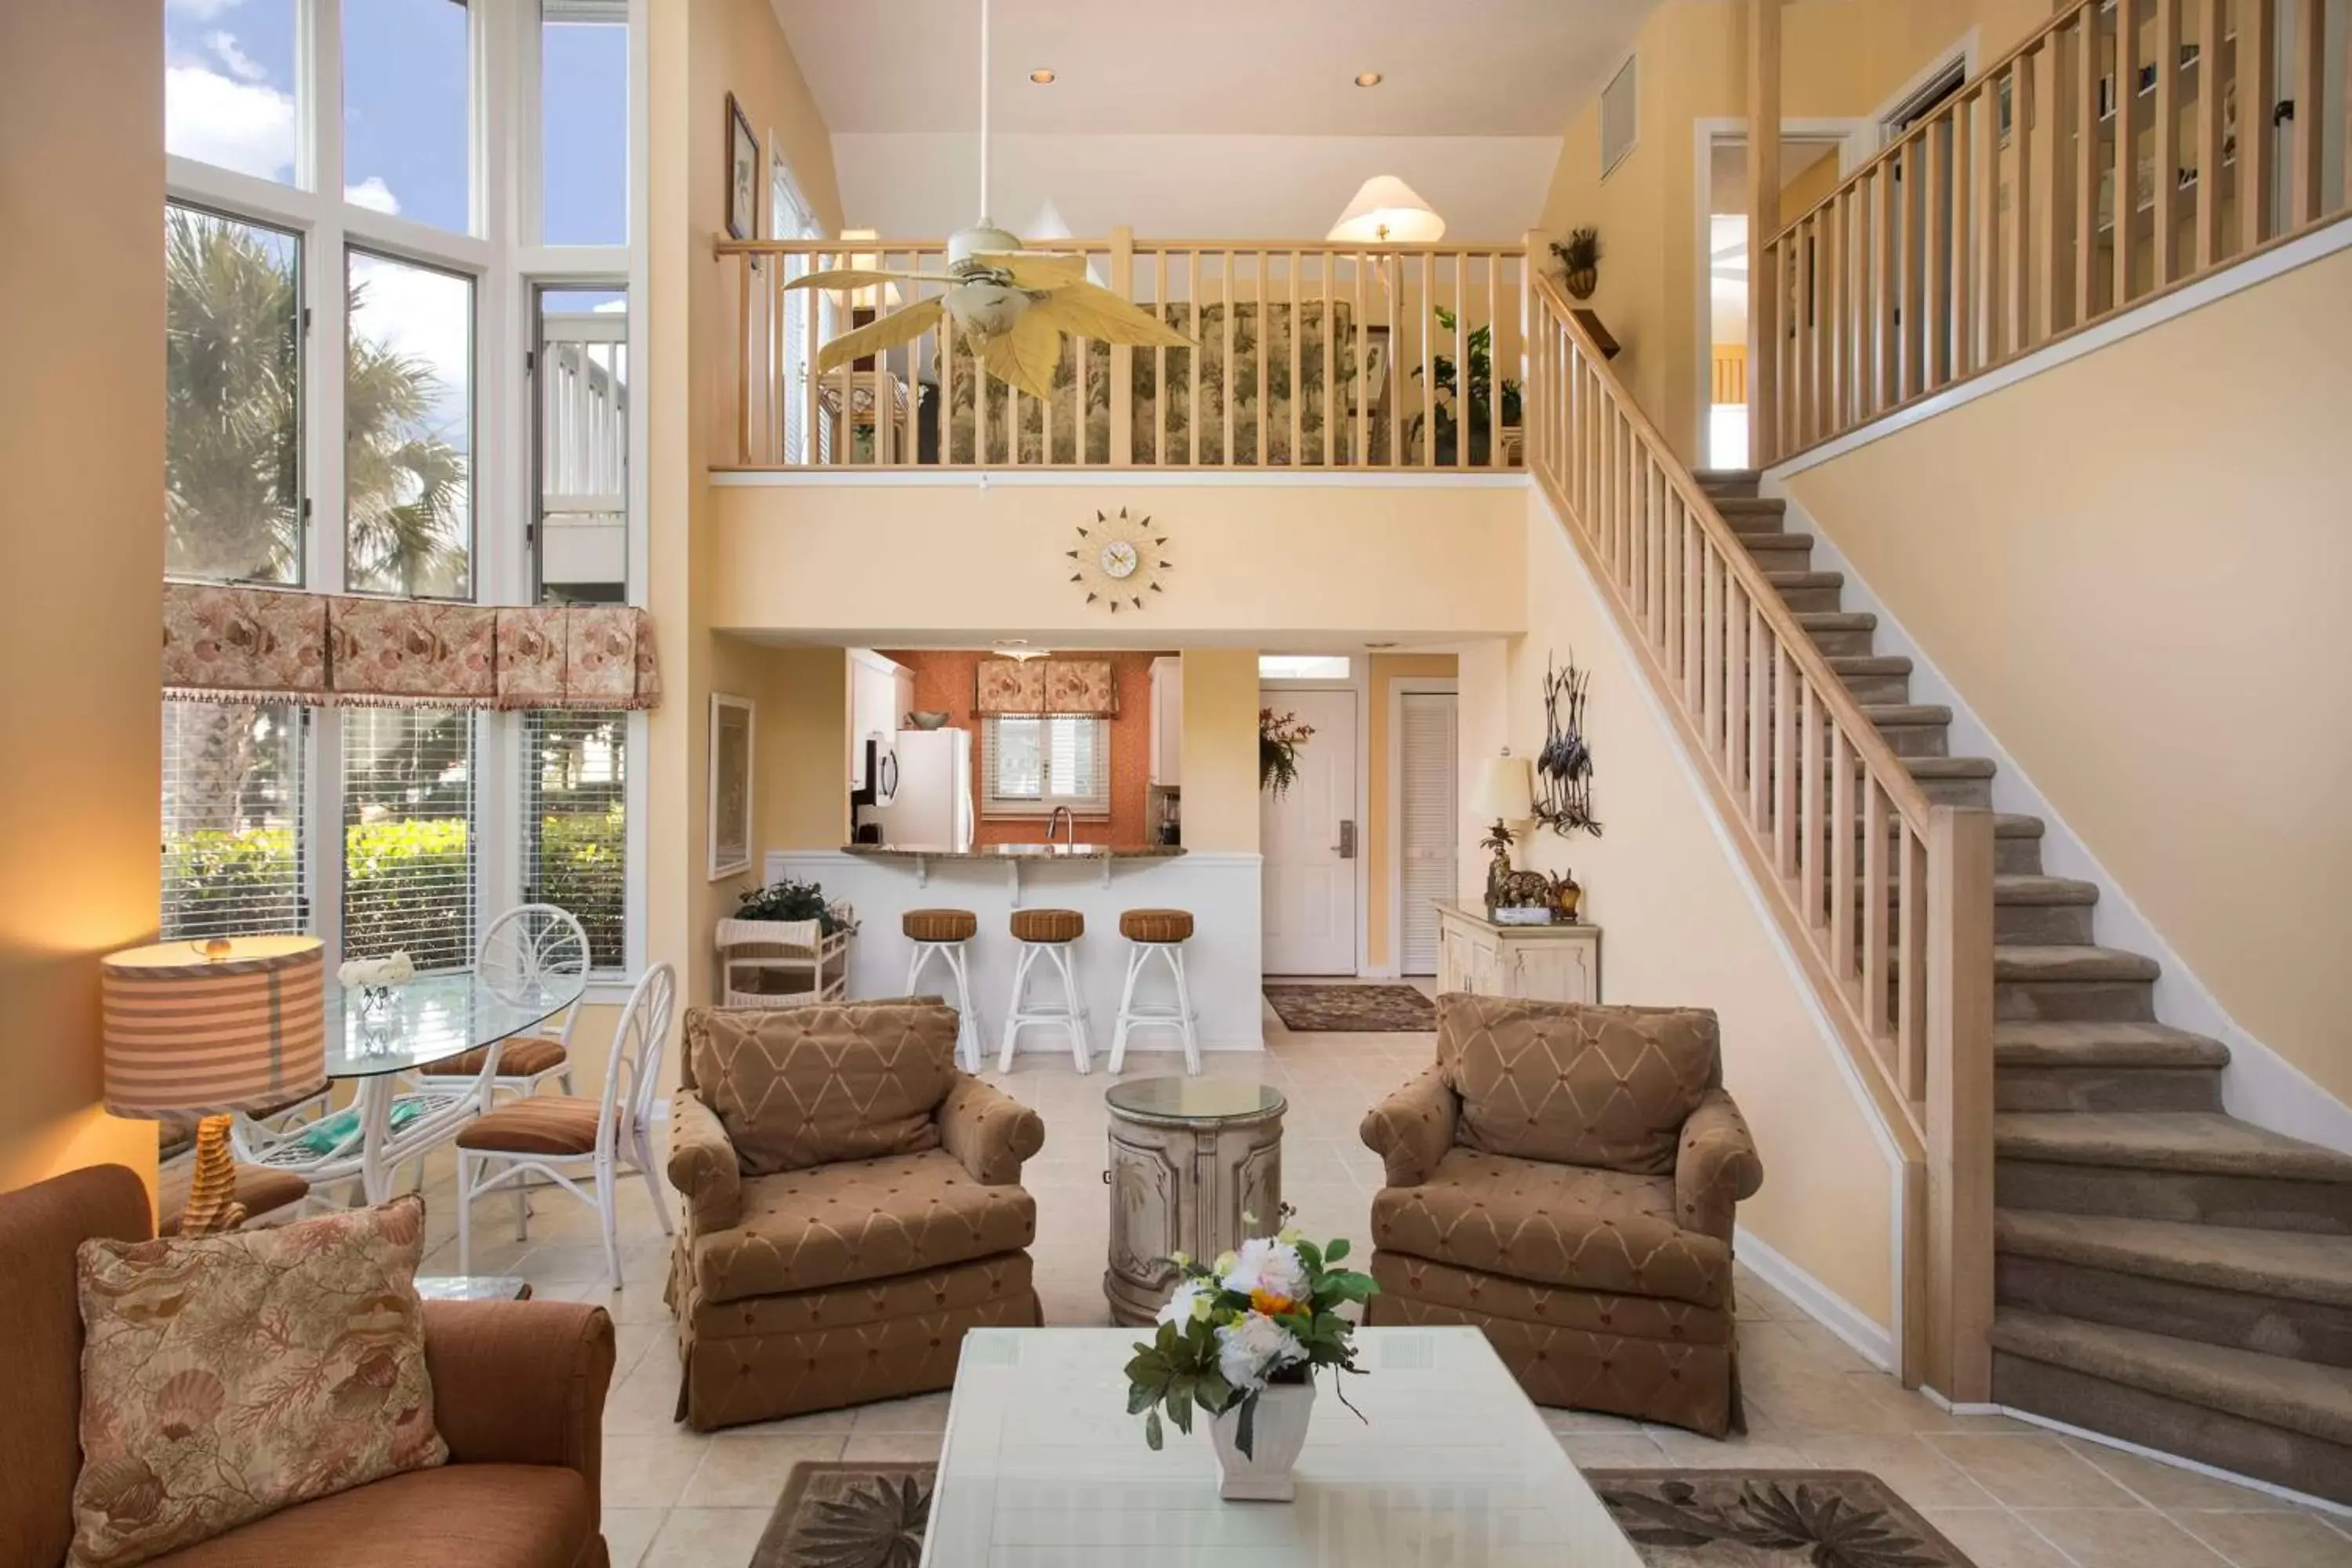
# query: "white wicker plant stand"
[[770, 964]]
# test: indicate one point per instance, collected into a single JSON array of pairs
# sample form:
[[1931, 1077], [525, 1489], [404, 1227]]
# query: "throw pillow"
[[225, 1377], [1602, 1087], [796, 1087]]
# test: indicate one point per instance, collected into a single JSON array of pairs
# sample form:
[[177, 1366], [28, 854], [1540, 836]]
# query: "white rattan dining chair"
[[559, 1139], [529, 945]]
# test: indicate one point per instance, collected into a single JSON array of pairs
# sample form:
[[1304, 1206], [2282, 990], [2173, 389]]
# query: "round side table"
[[1189, 1158]]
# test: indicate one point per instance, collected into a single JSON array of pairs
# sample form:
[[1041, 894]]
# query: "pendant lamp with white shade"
[[1387, 211]]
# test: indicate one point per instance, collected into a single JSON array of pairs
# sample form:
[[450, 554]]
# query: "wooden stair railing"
[[1885, 896]]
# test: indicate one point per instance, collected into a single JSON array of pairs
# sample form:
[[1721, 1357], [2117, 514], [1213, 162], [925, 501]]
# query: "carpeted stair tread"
[[2103, 1043], [1748, 506], [1869, 663], [2017, 888], [2226, 1258], [1836, 620], [1907, 712], [1780, 579], [2005, 824], [2300, 1397], [2023, 962], [1950, 767], [2202, 1142]]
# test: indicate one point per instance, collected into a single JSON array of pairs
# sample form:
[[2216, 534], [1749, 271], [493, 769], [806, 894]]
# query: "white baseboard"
[[2198, 1466], [1840, 1317], [2259, 1085]]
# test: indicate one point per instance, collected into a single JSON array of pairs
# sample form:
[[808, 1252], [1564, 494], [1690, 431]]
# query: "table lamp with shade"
[[209, 1027], [1506, 793], [1387, 211]]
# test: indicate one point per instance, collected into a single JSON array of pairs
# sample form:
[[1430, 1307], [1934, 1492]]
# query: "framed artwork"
[[730, 784], [1375, 376], [742, 174]]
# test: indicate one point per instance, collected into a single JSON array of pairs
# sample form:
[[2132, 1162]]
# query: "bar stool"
[[941, 934], [1047, 934], [1161, 934]]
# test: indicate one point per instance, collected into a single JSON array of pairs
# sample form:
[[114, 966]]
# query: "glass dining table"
[[374, 1043]]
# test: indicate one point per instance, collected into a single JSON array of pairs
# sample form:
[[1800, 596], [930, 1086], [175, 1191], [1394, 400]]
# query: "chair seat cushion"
[[1156, 925], [485, 1516], [1554, 1225], [260, 1189], [861, 1219], [1048, 925], [543, 1124], [939, 925], [527, 1057]]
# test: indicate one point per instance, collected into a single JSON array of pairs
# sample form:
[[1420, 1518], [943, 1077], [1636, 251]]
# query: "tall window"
[[580, 542], [575, 852], [583, 119], [790, 216], [1033, 766], [408, 421], [408, 834], [229, 85], [408, 74], [232, 819]]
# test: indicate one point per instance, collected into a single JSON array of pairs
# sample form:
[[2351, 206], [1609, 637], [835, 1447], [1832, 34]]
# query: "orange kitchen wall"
[[944, 680]]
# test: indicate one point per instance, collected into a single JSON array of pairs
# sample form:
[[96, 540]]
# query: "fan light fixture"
[[1041, 76], [1368, 78], [1387, 211]]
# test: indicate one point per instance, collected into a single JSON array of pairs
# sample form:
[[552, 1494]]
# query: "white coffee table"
[[1043, 1467]]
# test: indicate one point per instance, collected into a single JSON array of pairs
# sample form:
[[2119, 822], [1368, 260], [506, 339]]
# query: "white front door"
[[1429, 824], [1309, 837]]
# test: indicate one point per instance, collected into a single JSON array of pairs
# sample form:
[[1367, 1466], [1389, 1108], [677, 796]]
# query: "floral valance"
[[269, 645], [1084, 687]]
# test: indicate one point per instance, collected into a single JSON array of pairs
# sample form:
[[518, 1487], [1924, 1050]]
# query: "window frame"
[[503, 256], [1091, 807]]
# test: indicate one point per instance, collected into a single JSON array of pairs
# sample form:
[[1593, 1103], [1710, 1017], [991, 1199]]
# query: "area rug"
[[848, 1516], [1352, 1009], [1769, 1519]]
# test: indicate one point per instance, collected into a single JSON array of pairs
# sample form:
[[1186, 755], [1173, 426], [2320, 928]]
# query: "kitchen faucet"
[[1061, 816]]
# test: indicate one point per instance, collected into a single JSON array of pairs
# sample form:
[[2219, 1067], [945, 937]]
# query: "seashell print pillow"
[[225, 1377]]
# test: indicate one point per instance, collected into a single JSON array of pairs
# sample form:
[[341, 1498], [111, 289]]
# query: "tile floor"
[[2008, 1495]]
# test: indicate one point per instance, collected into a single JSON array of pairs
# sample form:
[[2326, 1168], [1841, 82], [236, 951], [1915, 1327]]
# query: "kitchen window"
[[1032, 767]]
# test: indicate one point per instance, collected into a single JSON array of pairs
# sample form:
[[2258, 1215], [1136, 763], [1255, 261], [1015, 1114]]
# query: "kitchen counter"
[[1000, 852]]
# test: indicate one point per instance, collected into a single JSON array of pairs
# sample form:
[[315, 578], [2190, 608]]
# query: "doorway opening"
[[1309, 839]]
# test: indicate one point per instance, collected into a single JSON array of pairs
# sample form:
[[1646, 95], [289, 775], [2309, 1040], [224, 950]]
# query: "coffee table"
[[1043, 1467]]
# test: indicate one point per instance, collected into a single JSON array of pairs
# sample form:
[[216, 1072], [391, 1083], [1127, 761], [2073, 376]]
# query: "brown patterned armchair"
[[1565, 1177], [853, 1205]]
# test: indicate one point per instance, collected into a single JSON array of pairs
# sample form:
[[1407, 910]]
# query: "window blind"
[[233, 820], [575, 828], [1033, 766], [408, 834]]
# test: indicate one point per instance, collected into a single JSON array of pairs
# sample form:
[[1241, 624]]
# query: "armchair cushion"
[[703, 1164], [1716, 1168], [484, 1516], [1554, 1225], [521, 1383], [1605, 1086], [802, 1087], [990, 1133], [859, 1220], [1411, 1129]]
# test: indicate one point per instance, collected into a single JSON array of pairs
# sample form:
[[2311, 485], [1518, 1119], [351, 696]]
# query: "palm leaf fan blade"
[[1027, 356], [1036, 269], [876, 337], [864, 277], [1085, 310]]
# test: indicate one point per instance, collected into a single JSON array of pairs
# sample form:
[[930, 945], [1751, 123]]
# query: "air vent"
[[1620, 117]]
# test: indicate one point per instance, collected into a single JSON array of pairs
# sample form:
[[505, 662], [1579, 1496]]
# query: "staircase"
[[2164, 1273]]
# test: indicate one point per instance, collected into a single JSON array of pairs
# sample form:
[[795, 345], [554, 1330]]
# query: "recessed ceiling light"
[[1368, 78], [1041, 76]]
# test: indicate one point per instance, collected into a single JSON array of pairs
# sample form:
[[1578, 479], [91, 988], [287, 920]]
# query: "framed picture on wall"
[[730, 784], [742, 174]]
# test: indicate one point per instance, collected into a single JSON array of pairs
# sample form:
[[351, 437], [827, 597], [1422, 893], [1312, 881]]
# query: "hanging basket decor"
[[1564, 767], [1278, 740], [1579, 261]]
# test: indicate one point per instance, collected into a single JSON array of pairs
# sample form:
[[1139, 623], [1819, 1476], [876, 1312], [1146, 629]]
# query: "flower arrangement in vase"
[[1241, 1338], [1278, 740]]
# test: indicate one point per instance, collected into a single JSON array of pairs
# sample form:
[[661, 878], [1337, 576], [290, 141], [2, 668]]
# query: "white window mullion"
[[323, 875], [319, 99]]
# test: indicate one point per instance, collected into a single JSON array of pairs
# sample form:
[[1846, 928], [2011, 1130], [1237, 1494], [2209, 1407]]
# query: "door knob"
[[1346, 847]]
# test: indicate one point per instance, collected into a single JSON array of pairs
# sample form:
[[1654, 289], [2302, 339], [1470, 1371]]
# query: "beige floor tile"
[[1994, 1538], [2171, 1487], [1600, 1451], [915, 1448], [2031, 1471], [749, 1472], [1749, 1452], [2270, 1540], [645, 1401], [2121, 1538], [924, 1413], [707, 1537], [629, 1530], [1920, 1475], [648, 1469], [816, 1424], [1589, 1421]]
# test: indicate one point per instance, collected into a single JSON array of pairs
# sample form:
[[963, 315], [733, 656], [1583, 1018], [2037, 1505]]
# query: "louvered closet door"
[[1429, 820]]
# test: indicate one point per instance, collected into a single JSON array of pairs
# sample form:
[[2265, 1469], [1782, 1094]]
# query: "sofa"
[[853, 1205], [518, 1394], [1565, 1177]]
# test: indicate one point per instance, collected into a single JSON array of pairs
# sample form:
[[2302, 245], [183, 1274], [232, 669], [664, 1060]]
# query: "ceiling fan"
[[1012, 305]]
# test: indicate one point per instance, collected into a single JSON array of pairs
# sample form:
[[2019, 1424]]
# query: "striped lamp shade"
[[233, 1024]]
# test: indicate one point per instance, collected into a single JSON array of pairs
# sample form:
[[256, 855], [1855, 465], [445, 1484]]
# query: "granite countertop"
[[1016, 851]]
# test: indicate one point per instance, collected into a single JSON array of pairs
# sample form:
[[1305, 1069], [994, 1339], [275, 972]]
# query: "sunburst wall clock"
[[1118, 560]]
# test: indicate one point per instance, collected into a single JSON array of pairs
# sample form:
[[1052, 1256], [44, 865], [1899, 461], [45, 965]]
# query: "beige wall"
[[1678, 926], [804, 750], [1379, 872], [2143, 599], [891, 564], [1221, 703], [82, 549]]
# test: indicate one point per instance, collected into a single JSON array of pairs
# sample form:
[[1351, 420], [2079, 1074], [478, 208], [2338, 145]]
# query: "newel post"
[[1763, 223], [1122, 357], [1960, 1295]]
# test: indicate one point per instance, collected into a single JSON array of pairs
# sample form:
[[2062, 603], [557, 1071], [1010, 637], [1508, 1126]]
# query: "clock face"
[[1119, 560]]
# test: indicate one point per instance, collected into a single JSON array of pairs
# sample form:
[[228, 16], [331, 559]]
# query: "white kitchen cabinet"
[[872, 705], [1168, 723], [1540, 964]]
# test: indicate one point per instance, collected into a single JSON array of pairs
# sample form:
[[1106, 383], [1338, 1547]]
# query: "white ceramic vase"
[[1277, 1434]]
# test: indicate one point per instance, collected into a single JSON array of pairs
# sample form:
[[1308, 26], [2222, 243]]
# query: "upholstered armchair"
[[853, 1205], [1565, 1178]]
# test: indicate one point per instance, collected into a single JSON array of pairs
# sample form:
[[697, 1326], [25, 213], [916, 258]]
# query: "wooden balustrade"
[[1885, 896], [1995, 225], [1308, 356]]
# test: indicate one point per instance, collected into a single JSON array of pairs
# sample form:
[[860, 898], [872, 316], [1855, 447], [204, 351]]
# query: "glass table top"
[[1195, 1100], [435, 1016]]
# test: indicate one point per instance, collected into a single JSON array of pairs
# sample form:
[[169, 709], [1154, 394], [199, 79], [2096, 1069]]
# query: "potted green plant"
[[1449, 395], [795, 901], [1279, 736], [1579, 259]]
